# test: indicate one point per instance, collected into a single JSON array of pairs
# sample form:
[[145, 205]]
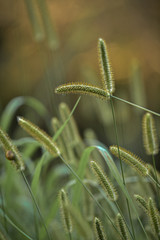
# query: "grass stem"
[[36, 204], [121, 166], [135, 105], [89, 192], [3, 208]]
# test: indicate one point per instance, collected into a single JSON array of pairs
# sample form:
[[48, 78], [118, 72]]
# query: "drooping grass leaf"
[[81, 172], [9, 112]]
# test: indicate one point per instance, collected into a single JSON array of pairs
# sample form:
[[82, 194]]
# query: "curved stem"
[[152, 179]]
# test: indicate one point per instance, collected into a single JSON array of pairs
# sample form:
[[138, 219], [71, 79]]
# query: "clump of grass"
[[49, 177]]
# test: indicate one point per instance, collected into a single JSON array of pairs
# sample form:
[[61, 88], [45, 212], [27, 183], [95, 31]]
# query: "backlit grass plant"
[[77, 190]]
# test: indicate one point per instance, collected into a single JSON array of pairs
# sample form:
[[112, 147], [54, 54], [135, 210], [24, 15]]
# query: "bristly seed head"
[[141, 202], [104, 182], [11, 151], [154, 217], [39, 135], [100, 235], [131, 159], [82, 88], [65, 213], [107, 76], [149, 135], [122, 227]]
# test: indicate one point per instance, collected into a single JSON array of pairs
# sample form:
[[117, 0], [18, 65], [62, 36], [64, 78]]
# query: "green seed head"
[[149, 135], [104, 182], [65, 213], [81, 88], [100, 235], [11, 151], [107, 76], [122, 227], [131, 159], [39, 135]]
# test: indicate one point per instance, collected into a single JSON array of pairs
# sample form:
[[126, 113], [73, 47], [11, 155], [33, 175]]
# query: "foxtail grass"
[[131, 159], [100, 235], [65, 213], [104, 182], [83, 88], [105, 66], [11, 151]]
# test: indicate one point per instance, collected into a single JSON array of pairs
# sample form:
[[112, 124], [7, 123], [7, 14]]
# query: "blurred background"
[[45, 43]]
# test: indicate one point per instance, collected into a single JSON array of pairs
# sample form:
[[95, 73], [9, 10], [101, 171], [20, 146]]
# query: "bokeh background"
[[44, 43]]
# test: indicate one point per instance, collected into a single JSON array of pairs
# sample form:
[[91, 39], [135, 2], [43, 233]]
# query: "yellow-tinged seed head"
[[149, 135], [107, 75], [65, 213], [141, 202], [83, 88], [131, 159], [122, 227], [39, 135], [104, 182], [154, 216], [11, 151]]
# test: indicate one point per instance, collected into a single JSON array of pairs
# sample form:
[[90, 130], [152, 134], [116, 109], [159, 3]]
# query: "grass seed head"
[[149, 135], [39, 135], [107, 76], [100, 235], [81, 88], [131, 159], [11, 151], [104, 181]]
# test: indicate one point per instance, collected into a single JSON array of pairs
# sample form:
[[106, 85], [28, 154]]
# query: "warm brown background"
[[130, 28]]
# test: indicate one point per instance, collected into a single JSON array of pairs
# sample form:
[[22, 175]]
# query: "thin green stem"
[[153, 180], [135, 105], [70, 236], [89, 192], [116, 134], [36, 224], [36, 205], [3, 208]]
